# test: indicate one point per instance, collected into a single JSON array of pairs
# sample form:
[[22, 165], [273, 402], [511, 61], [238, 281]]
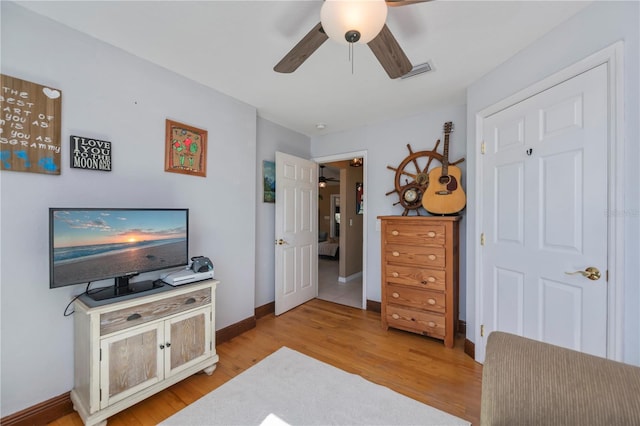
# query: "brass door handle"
[[591, 272], [281, 242]]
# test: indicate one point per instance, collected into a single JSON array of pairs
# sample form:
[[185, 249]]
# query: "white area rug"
[[298, 390]]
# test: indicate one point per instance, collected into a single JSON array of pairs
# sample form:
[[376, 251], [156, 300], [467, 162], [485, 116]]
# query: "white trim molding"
[[365, 215]]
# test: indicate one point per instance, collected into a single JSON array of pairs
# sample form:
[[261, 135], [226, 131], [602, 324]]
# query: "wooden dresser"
[[420, 272]]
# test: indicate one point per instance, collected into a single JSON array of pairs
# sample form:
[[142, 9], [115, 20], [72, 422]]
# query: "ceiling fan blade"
[[302, 50], [395, 3], [390, 54]]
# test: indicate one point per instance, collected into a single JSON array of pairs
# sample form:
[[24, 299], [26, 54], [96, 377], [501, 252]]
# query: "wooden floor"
[[348, 338]]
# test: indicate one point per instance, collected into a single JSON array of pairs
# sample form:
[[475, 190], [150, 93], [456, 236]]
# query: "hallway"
[[332, 290]]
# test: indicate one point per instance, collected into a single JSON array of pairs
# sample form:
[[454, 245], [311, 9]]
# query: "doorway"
[[341, 236]]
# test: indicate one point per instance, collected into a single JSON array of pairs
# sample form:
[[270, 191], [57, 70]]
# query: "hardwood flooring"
[[348, 338]]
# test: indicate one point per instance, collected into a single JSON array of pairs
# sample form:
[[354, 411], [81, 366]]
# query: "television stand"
[[127, 350]]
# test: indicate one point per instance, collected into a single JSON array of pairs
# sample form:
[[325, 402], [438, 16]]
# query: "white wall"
[[111, 95], [271, 138], [386, 145], [595, 28]]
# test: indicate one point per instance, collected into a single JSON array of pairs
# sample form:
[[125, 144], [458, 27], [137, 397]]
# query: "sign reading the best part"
[[29, 126]]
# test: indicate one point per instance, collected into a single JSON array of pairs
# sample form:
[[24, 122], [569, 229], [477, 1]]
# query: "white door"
[[296, 231], [544, 189]]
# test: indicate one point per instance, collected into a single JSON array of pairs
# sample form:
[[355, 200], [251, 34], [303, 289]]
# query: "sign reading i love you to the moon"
[[29, 126], [90, 154]]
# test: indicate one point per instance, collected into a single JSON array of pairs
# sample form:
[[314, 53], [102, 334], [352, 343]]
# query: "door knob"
[[281, 242], [591, 272]]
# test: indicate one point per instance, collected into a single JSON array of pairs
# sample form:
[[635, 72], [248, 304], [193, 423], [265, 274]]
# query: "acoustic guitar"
[[444, 195]]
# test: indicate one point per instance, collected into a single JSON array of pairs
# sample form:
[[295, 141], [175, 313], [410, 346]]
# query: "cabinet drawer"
[[415, 255], [416, 277], [415, 298], [135, 315], [408, 233], [419, 321]]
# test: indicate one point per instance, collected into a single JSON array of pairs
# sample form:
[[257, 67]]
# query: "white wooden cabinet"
[[128, 350]]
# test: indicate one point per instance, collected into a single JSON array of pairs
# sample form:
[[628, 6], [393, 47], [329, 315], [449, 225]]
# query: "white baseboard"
[[350, 277]]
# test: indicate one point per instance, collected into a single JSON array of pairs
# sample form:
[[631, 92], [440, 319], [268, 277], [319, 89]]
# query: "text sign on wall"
[[29, 126], [91, 154]]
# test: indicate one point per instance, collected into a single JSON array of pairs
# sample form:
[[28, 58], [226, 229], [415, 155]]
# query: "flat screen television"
[[91, 244]]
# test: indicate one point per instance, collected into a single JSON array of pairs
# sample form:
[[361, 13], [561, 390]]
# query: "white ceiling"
[[232, 47]]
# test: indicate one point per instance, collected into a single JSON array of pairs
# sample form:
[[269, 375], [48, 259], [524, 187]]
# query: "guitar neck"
[[445, 157]]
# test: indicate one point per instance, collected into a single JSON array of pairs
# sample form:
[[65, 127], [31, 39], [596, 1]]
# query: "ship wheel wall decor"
[[412, 177]]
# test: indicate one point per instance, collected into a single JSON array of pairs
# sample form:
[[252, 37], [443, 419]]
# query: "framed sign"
[[185, 149], [90, 154], [29, 126]]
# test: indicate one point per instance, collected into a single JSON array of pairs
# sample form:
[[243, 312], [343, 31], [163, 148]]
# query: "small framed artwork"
[[185, 149], [269, 181], [359, 198]]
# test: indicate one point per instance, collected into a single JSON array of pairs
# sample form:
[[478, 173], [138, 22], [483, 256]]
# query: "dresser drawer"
[[419, 321], [432, 279], [414, 298], [140, 314], [408, 233], [423, 256]]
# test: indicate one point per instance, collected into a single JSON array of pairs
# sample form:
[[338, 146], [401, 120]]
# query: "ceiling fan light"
[[322, 181], [339, 17]]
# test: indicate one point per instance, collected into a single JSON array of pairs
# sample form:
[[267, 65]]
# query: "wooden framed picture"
[[185, 149], [359, 198], [268, 181]]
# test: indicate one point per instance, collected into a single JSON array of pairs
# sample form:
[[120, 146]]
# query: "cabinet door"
[[130, 361], [188, 340]]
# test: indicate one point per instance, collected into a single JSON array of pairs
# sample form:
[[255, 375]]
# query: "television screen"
[[88, 245]]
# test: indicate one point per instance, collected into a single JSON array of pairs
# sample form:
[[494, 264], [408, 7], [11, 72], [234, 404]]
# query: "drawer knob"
[[134, 317], [431, 234], [431, 301], [431, 279], [395, 233], [432, 324], [395, 316], [395, 274], [395, 295], [396, 253], [432, 257], [189, 301]]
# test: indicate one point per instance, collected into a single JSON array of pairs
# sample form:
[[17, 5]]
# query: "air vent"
[[418, 69]]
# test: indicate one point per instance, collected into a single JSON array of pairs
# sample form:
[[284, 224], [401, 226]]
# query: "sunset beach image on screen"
[[95, 244]]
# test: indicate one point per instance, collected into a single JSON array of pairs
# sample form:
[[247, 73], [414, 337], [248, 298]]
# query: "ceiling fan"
[[381, 42], [322, 181]]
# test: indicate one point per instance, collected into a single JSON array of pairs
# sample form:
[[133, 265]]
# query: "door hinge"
[[482, 148], [482, 330], [100, 394], [607, 276], [482, 239], [100, 354]]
